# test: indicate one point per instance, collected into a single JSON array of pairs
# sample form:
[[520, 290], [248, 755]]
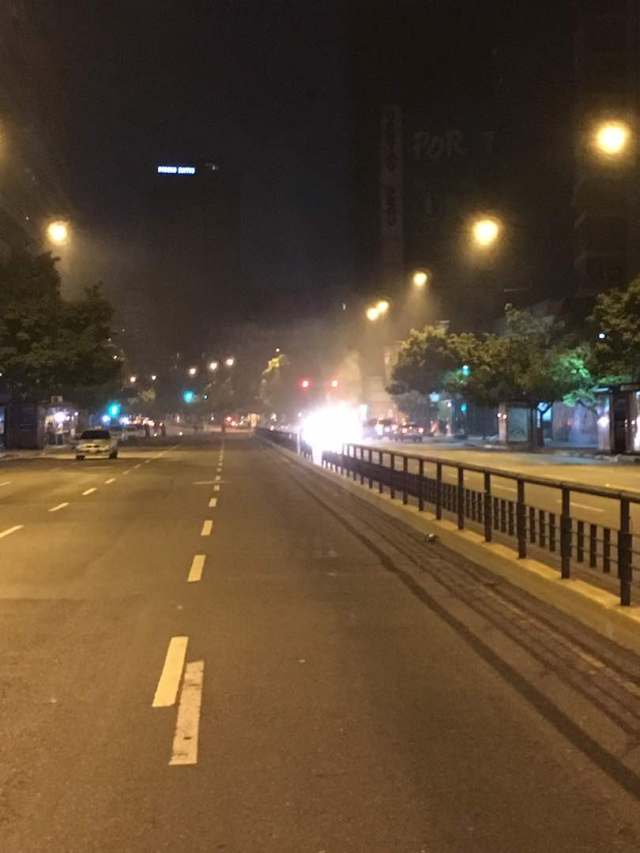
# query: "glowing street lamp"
[[612, 137], [485, 232], [382, 306], [213, 366], [229, 362], [58, 232], [372, 313], [153, 377], [192, 371], [420, 278], [133, 379]]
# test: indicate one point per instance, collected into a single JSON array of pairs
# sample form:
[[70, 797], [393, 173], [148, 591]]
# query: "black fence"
[[290, 440], [521, 521]]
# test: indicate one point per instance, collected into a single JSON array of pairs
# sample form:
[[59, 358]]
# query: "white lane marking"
[[216, 488], [59, 506], [6, 483], [146, 461], [582, 506], [128, 471], [169, 680], [207, 527], [202, 482], [213, 502], [89, 491], [197, 567], [110, 480], [11, 530], [218, 478], [185, 740], [138, 465]]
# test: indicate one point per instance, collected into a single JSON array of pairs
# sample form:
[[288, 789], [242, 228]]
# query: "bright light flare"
[[330, 427], [485, 232], [229, 362], [382, 306], [192, 371], [420, 278], [213, 366], [58, 232], [372, 313], [611, 138]]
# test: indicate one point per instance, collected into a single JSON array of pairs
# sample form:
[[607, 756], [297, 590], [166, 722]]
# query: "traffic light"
[[188, 396], [305, 383], [334, 383], [114, 409]]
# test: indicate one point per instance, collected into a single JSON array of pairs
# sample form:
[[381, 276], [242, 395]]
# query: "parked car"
[[410, 432], [97, 442]]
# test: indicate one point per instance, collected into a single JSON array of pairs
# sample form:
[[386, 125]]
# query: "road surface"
[[213, 649]]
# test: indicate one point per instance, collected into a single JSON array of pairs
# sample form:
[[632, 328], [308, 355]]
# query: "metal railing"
[[290, 440], [558, 538]]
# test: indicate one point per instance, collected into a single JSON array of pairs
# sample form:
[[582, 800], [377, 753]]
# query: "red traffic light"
[[334, 383], [305, 383]]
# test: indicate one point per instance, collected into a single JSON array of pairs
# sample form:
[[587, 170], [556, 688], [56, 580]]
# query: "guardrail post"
[[392, 487], [438, 489], [405, 480], [521, 521], [624, 553], [370, 468], [460, 497], [488, 515], [565, 533], [421, 485], [362, 466], [381, 466]]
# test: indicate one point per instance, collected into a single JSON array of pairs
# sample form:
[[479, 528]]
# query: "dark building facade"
[[32, 175], [606, 195]]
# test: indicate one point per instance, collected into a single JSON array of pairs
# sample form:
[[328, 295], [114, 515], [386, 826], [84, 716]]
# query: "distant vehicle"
[[410, 432], [386, 428], [97, 442]]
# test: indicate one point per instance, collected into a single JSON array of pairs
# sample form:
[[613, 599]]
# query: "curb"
[[593, 607]]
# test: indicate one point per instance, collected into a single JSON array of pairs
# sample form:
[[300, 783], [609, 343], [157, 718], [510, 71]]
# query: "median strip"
[[11, 530], [197, 567], [59, 506], [185, 740], [169, 681]]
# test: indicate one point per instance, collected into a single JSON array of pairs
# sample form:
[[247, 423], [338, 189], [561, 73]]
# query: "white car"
[[97, 442]]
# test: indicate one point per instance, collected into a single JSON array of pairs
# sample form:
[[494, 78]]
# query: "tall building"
[[607, 189], [31, 126]]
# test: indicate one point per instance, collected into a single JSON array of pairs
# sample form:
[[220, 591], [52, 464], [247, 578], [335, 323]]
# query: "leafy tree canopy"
[[49, 345], [616, 316]]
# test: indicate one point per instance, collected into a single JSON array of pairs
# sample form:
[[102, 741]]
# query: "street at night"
[[330, 685]]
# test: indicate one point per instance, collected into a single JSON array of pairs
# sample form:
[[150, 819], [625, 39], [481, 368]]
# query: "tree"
[[424, 361], [278, 388], [532, 363], [49, 345], [616, 351]]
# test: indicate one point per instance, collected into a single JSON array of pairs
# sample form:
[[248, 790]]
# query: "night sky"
[[284, 95]]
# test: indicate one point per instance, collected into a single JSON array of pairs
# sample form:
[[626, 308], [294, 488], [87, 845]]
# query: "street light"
[[612, 137], [132, 379], [420, 278], [213, 366], [153, 377], [372, 313], [192, 371], [58, 232], [229, 362], [382, 306], [485, 232]]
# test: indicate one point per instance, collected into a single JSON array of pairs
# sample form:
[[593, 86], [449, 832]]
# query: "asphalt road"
[[223, 651]]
